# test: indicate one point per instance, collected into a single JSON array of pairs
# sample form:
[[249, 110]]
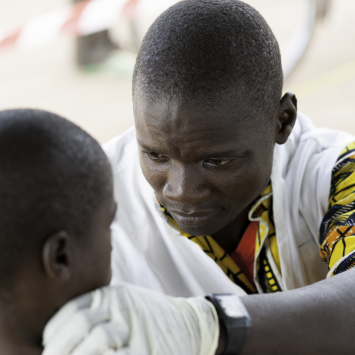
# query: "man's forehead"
[[192, 130], [222, 119]]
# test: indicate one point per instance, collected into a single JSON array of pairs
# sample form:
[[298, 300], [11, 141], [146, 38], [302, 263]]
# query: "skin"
[[62, 268], [316, 319]]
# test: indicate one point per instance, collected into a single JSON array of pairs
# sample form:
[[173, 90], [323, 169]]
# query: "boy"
[[56, 208]]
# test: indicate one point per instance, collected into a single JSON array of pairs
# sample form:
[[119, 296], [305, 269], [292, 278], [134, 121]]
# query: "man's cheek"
[[156, 177], [237, 180], [240, 190]]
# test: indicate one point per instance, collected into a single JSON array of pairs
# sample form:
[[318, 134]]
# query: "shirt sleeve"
[[337, 230]]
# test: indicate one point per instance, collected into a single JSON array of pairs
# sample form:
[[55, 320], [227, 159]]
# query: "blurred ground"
[[101, 101]]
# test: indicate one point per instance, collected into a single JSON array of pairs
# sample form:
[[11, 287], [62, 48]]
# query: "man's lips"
[[193, 218]]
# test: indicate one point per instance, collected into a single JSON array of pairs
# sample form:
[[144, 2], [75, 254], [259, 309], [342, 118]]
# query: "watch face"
[[232, 306]]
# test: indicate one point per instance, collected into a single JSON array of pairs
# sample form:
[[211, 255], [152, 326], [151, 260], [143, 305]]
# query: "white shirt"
[[148, 252]]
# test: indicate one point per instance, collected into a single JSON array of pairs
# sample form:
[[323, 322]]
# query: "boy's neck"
[[19, 326]]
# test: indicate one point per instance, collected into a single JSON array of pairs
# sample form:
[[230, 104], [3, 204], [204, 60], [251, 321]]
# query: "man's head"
[[207, 101], [56, 207]]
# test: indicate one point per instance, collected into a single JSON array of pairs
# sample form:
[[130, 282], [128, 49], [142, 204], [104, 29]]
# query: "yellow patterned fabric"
[[215, 251], [337, 232], [267, 261], [267, 269]]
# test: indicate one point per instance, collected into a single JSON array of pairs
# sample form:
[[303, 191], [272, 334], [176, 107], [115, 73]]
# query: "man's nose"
[[186, 184]]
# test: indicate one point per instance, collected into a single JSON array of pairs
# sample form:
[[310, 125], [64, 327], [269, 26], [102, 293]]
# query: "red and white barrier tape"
[[83, 18]]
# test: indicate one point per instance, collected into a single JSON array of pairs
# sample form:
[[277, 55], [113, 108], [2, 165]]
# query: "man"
[[56, 208], [229, 188]]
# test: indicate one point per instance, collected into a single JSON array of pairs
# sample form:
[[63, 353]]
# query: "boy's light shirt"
[[148, 252]]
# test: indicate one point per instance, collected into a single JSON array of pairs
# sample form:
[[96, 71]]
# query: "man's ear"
[[56, 256], [286, 117]]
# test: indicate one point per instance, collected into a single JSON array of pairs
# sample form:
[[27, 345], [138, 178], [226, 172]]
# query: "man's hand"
[[131, 320]]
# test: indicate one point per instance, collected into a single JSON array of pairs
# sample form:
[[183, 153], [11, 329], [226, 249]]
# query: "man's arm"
[[312, 320], [317, 319]]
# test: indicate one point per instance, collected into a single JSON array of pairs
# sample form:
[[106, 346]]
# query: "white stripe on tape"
[[149, 7], [100, 15], [2, 36], [43, 29]]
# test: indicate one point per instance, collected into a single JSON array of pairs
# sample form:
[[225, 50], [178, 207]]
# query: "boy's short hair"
[[202, 50], [53, 177]]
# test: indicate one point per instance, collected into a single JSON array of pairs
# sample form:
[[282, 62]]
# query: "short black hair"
[[207, 49], [53, 177]]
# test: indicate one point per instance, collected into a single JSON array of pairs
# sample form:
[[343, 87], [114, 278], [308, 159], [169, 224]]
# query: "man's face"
[[205, 166]]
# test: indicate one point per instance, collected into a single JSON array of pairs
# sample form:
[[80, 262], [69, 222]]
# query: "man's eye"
[[218, 162], [156, 156]]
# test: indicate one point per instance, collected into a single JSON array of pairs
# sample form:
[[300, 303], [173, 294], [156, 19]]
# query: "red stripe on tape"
[[72, 23], [129, 9], [10, 40]]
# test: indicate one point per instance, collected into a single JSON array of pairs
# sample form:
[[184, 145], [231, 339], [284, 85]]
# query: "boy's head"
[[56, 207], [207, 102]]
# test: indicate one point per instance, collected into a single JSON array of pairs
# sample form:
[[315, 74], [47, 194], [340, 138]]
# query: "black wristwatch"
[[235, 318]]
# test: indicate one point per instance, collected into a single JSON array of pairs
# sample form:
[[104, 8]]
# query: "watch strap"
[[235, 318]]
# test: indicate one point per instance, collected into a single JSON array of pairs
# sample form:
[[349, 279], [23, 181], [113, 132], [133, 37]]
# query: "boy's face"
[[90, 259], [205, 166], [94, 257]]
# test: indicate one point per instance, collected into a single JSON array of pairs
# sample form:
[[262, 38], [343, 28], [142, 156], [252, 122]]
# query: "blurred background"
[[88, 79]]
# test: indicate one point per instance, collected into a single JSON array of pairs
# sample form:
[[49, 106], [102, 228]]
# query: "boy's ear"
[[286, 117], [56, 256]]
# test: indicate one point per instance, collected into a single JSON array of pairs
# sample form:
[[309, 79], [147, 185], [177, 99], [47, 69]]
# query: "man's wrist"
[[234, 323]]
